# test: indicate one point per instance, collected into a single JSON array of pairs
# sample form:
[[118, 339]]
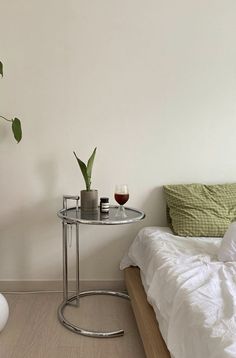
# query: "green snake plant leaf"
[[90, 164], [84, 172], [16, 129], [1, 69]]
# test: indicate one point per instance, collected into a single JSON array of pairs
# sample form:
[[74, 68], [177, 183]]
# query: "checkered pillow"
[[201, 210]]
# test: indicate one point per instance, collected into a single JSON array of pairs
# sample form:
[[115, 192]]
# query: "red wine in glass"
[[121, 196]]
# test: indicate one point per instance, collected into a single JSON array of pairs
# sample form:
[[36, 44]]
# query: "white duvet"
[[193, 294]]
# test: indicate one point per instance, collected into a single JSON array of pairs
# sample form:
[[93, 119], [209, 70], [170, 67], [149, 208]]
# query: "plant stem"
[[8, 120]]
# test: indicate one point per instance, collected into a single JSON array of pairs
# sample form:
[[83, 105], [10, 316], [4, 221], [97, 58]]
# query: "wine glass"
[[121, 196]]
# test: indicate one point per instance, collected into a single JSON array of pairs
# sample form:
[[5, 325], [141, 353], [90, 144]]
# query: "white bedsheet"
[[192, 293]]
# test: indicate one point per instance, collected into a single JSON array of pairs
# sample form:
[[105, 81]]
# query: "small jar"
[[104, 205]]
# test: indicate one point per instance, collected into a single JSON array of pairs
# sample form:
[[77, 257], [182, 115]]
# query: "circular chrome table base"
[[85, 332]]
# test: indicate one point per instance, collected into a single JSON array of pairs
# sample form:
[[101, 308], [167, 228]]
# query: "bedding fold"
[[192, 293]]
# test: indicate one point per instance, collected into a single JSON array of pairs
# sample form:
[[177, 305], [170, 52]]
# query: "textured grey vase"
[[89, 200]]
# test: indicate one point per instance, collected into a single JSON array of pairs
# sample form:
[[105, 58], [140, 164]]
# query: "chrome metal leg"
[[77, 263], [65, 265]]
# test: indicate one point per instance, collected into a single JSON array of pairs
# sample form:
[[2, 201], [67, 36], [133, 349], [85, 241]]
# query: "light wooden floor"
[[33, 330]]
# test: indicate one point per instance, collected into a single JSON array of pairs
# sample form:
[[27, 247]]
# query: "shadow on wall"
[[103, 259], [48, 175], [29, 232], [27, 235], [155, 208], [3, 132]]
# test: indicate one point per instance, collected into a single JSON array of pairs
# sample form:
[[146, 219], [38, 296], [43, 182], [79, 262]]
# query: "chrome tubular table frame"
[[74, 300]]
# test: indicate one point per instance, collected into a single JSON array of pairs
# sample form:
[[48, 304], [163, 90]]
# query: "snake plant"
[[87, 169]]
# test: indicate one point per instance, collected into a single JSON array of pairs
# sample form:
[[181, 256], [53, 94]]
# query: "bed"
[[180, 291], [153, 343]]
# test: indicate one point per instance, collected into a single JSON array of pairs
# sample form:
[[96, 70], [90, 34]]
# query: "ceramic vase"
[[89, 200]]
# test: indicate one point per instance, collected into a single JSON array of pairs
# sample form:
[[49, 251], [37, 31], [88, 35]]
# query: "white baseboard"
[[26, 285]]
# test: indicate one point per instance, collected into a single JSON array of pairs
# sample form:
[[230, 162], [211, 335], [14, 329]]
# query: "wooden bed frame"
[[153, 342]]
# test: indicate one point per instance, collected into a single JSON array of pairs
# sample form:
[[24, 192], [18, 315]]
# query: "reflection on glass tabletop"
[[98, 218]]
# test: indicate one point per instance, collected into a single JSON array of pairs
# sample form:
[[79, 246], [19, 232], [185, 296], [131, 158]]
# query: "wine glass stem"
[[121, 212]]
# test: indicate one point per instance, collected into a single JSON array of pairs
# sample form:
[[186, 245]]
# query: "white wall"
[[151, 83]]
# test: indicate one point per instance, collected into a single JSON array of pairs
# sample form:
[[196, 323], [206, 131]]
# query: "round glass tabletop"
[[72, 215]]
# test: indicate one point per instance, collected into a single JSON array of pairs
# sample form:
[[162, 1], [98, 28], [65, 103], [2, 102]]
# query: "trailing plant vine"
[[15, 122]]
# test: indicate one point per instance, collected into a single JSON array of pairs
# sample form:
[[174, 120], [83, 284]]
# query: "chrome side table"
[[74, 216]]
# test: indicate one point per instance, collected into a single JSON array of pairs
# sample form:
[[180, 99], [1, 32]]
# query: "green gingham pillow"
[[201, 210]]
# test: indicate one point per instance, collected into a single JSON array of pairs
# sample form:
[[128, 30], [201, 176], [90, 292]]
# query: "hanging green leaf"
[[16, 129], [16, 124], [90, 164], [1, 69]]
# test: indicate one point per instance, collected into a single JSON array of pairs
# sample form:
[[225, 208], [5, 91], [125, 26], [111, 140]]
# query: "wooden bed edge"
[[153, 342]]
